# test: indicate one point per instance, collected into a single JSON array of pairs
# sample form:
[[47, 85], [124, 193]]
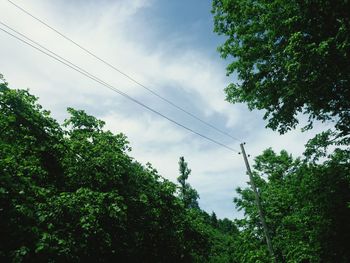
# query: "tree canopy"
[[290, 57], [306, 205], [187, 194], [71, 193]]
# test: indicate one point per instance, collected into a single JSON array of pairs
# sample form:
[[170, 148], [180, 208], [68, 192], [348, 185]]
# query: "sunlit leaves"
[[290, 57], [72, 193]]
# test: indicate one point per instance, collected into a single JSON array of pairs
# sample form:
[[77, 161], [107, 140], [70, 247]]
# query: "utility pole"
[[258, 204]]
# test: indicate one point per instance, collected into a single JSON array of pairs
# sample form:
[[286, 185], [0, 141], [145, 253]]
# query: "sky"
[[168, 46]]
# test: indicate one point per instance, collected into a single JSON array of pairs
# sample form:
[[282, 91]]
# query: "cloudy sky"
[[168, 46]]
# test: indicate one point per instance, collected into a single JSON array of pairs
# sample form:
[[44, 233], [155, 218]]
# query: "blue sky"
[[170, 47], [190, 18]]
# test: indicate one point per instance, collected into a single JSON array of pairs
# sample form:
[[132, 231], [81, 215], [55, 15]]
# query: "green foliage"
[[290, 56], [213, 220], [187, 194], [306, 208], [73, 194]]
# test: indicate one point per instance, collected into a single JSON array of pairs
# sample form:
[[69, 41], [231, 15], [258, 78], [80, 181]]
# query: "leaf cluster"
[[306, 205], [71, 193], [290, 57]]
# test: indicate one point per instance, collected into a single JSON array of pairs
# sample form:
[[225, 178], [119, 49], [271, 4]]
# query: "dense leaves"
[[291, 56], [306, 206], [72, 193], [187, 194]]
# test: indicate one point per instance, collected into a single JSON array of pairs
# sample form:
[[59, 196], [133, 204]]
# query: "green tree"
[[188, 195], [226, 226], [306, 207], [71, 193], [214, 220], [290, 57]]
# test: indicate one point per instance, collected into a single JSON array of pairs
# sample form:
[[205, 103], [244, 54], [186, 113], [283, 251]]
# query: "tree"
[[214, 220], [290, 56], [188, 195], [306, 207], [71, 193]]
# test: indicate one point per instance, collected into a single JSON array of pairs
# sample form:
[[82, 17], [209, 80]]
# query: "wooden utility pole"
[[258, 204]]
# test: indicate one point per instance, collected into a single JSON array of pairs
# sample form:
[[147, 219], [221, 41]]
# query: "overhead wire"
[[87, 74], [123, 73]]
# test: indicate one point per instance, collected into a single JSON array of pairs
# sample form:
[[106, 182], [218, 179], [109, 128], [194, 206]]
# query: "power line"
[[124, 74], [96, 79]]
